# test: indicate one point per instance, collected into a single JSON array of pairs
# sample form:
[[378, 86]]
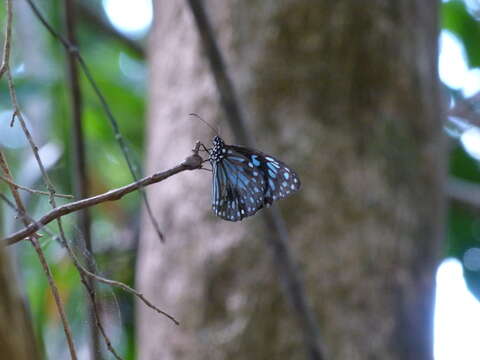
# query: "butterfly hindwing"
[[245, 180], [280, 181]]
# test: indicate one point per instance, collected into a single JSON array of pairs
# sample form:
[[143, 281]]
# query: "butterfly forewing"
[[245, 180]]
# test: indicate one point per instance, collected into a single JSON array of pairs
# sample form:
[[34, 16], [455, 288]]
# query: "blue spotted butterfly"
[[245, 180]]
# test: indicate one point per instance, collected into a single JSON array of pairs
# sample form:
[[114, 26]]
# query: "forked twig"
[[98, 323], [32, 191], [80, 168], [17, 114], [48, 273], [113, 122], [5, 68], [192, 162], [56, 295], [119, 285], [8, 37], [85, 272]]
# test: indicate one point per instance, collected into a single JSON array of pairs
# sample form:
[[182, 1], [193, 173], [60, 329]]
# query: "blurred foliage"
[[121, 76], [463, 223], [42, 90], [457, 19]]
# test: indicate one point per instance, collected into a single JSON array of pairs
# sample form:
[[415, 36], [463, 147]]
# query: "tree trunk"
[[345, 93]]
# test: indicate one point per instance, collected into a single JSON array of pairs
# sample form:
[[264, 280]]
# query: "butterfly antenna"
[[201, 119]]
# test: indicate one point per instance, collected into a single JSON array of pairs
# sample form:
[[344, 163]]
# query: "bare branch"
[[33, 191], [13, 188], [82, 271], [121, 286], [95, 312], [113, 122], [8, 38], [80, 169], [5, 68], [48, 274], [56, 296], [192, 162]]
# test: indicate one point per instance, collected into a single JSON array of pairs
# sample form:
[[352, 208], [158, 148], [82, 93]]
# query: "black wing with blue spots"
[[245, 180]]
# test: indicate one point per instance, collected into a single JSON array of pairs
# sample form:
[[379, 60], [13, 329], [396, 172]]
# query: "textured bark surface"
[[16, 337], [346, 94]]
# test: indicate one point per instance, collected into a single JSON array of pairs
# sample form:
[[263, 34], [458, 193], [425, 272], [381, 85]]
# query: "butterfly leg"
[[204, 148]]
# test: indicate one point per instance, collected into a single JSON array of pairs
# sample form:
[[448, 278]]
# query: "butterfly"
[[246, 180]]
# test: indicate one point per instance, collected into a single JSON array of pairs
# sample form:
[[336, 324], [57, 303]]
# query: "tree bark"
[[345, 93]]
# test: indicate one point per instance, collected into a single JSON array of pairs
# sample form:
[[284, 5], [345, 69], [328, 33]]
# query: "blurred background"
[[112, 37]]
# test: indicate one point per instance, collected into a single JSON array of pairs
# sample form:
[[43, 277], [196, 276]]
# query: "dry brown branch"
[[117, 284], [80, 173], [8, 37], [5, 68], [28, 135], [48, 273], [98, 323], [108, 112], [192, 162], [56, 296], [13, 188], [84, 272], [32, 191]]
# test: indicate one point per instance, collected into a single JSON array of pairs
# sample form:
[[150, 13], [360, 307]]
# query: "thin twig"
[[8, 37], [294, 287], [225, 87], [95, 313], [33, 191], [49, 185], [5, 68], [192, 162], [119, 285], [14, 115], [85, 272], [56, 296], [34, 241], [113, 122], [13, 188], [21, 208], [80, 169], [28, 135], [121, 141], [48, 274]]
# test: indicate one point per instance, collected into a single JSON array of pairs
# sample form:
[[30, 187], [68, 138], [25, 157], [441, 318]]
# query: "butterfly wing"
[[245, 180], [237, 188], [280, 180]]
